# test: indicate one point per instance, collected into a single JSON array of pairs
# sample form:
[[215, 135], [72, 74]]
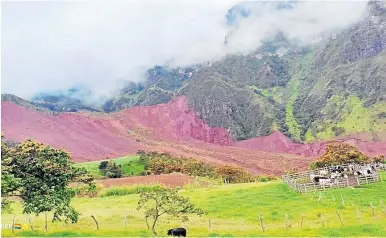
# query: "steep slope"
[[345, 87], [173, 127]]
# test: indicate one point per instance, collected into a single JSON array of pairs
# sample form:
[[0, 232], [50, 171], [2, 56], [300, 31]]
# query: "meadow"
[[233, 210], [130, 166]]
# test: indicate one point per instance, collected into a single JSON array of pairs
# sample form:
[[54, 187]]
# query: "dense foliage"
[[340, 154], [41, 175], [165, 201], [110, 169], [164, 163]]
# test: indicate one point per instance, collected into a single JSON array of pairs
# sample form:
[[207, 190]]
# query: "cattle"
[[316, 179], [325, 182], [177, 232], [323, 172]]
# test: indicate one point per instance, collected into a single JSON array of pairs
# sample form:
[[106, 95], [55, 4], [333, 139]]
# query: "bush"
[[121, 191], [232, 174], [113, 170], [262, 179], [85, 190]]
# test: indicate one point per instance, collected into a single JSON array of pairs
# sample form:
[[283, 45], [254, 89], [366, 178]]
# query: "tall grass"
[[122, 191]]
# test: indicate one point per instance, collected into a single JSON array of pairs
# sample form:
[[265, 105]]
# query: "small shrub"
[[85, 190], [263, 179]]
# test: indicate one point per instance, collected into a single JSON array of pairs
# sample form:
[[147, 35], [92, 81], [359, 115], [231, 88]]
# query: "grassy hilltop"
[[233, 210]]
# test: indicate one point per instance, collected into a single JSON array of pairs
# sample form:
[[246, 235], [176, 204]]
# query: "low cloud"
[[104, 44]]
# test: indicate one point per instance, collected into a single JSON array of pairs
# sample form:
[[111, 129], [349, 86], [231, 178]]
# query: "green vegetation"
[[345, 116], [164, 163], [292, 124], [121, 191], [165, 202], [130, 166], [233, 210], [342, 154], [41, 177]]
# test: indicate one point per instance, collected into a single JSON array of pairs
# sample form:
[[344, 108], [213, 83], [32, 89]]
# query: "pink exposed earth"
[[172, 127]]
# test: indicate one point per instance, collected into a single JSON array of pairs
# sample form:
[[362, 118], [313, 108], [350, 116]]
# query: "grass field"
[[130, 166], [234, 211]]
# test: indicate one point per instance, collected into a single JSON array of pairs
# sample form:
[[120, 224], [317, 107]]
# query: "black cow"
[[177, 232]]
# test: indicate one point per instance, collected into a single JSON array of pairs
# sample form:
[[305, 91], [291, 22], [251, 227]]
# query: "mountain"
[[332, 89], [71, 100], [173, 127], [280, 103]]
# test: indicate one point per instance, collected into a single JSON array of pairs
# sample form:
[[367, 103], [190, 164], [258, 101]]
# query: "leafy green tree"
[[9, 184], [165, 201], [44, 175], [113, 170], [340, 154], [102, 166]]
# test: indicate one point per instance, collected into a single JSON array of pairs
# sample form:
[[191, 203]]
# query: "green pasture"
[[233, 210], [130, 166]]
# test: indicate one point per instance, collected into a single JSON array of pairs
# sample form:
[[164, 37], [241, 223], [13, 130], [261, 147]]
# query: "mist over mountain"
[[311, 70], [50, 46]]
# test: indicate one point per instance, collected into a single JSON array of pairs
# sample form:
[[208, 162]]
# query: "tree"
[[44, 175], [379, 159], [102, 166], [232, 174], [165, 201], [9, 183], [113, 170], [340, 154]]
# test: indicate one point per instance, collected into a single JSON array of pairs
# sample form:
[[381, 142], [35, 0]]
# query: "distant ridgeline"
[[334, 88]]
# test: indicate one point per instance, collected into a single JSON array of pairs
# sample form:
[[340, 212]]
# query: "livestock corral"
[[336, 176]]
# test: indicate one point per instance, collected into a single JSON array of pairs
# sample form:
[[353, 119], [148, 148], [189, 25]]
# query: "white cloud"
[[103, 44]]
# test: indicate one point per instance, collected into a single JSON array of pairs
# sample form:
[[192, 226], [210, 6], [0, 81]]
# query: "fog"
[[101, 45]]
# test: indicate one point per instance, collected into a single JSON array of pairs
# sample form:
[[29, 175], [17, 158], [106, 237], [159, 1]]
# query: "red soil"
[[169, 180], [171, 127], [280, 143]]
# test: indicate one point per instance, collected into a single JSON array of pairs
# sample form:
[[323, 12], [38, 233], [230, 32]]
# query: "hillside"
[[173, 127], [330, 89]]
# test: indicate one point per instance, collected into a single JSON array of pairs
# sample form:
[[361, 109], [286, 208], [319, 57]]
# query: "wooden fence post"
[[322, 219], [96, 222], [301, 223], [358, 215], [209, 226], [372, 209], [287, 225], [262, 223], [340, 218], [320, 196], [13, 224], [333, 197], [342, 200]]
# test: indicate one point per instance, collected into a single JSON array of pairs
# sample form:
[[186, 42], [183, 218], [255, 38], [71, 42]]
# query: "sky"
[[54, 45]]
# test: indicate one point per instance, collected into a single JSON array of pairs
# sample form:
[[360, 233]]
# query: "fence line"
[[308, 186]]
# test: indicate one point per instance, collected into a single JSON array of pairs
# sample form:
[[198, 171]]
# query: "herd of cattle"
[[333, 174]]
